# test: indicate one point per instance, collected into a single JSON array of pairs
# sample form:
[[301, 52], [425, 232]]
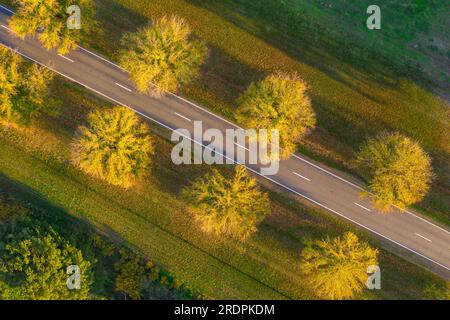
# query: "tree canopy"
[[24, 88], [114, 146], [50, 17], [162, 56], [33, 265], [398, 170], [336, 268], [130, 273], [278, 102], [231, 207]]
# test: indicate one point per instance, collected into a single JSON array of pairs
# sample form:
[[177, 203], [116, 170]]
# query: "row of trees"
[[116, 146], [165, 55]]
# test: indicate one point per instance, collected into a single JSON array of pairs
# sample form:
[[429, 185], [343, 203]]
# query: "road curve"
[[408, 231]]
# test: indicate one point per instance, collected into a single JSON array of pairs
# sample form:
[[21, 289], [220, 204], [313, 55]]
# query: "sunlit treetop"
[[50, 18]]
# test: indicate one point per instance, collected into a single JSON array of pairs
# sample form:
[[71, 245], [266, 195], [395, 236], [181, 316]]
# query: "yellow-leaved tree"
[[278, 102], [24, 89], [50, 19], [114, 146], [162, 56], [231, 207], [398, 170], [336, 268]]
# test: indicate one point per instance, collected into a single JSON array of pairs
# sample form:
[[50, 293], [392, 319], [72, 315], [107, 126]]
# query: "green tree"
[[34, 266], [436, 292], [231, 207], [24, 89], [336, 268], [278, 102], [50, 17], [162, 56], [130, 275], [114, 146], [398, 170]]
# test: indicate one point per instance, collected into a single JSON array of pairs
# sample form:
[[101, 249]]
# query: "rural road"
[[411, 235]]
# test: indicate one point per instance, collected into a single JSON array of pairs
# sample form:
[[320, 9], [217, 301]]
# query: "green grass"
[[151, 218]]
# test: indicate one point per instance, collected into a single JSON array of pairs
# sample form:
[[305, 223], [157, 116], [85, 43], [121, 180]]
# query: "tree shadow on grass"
[[117, 19], [306, 39], [58, 217]]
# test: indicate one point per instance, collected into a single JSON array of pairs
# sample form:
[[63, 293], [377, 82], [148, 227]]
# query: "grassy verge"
[[151, 218]]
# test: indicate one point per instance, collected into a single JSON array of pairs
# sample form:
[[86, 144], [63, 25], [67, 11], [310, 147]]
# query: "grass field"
[[151, 218]]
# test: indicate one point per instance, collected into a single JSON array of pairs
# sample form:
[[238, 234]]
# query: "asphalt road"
[[330, 190]]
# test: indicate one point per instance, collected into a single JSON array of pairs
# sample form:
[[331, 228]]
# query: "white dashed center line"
[[123, 87], [181, 116], [421, 236], [299, 175], [68, 59], [367, 209], [5, 27]]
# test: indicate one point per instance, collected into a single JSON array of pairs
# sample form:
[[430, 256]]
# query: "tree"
[[398, 170], [115, 146], [130, 273], [438, 292], [34, 266], [278, 102], [231, 207], [336, 268], [51, 17], [162, 56], [24, 89]]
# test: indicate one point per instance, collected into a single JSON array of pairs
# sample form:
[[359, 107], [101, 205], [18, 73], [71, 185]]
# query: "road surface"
[[408, 231]]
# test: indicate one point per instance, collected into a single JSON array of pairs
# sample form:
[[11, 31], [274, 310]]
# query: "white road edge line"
[[361, 206], [181, 116], [234, 161], [7, 9], [123, 87], [64, 57], [3, 26], [235, 125], [419, 235], [299, 175], [243, 147]]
